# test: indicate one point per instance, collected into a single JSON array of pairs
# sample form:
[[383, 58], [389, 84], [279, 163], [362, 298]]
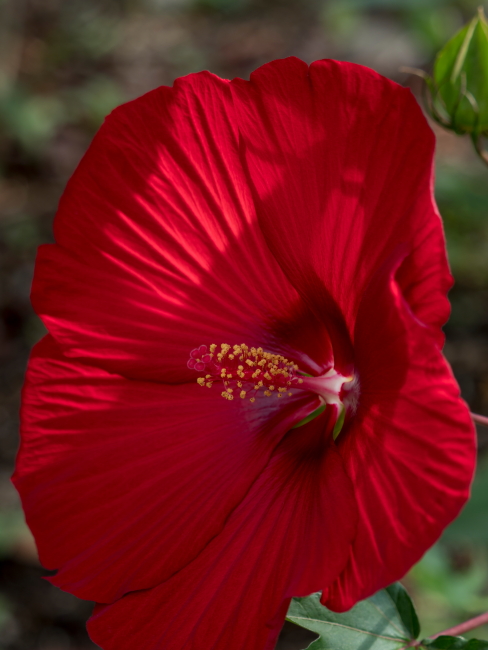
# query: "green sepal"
[[339, 424], [310, 417], [459, 88]]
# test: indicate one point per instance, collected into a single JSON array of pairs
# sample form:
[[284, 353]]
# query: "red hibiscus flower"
[[276, 240]]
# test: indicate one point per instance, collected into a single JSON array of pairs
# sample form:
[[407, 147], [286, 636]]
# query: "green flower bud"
[[459, 87]]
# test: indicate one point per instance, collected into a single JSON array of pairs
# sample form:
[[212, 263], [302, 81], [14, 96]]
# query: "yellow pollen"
[[240, 368]]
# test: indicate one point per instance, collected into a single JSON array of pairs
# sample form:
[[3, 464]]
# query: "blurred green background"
[[63, 66]]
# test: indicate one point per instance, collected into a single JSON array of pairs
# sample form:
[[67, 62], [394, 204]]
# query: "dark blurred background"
[[64, 64]]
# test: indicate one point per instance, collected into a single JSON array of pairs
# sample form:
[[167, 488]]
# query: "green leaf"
[[372, 624], [405, 608], [455, 643]]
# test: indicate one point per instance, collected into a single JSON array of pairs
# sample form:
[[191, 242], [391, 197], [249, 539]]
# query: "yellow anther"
[[300, 381], [290, 394], [252, 399], [238, 364], [201, 381]]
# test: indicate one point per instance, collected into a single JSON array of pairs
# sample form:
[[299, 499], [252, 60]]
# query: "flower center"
[[245, 371]]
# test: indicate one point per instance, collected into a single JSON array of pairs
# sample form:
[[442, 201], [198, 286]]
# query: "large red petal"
[[124, 482], [340, 162], [410, 449], [290, 536], [158, 246]]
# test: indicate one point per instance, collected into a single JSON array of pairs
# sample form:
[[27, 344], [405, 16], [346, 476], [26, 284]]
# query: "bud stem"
[[478, 146], [464, 627], [480, 419], [457, 630]]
